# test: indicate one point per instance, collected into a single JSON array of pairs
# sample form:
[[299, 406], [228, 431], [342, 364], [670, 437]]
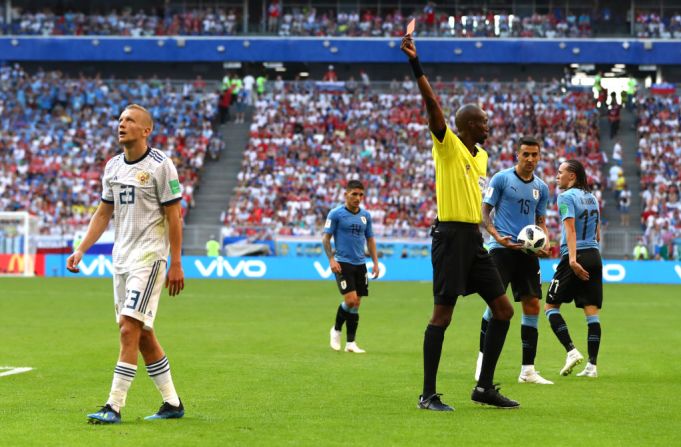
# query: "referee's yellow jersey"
[[459, 179]]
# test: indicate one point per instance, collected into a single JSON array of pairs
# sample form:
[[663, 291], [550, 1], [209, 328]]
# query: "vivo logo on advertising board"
[[325, 272], [100, 266], [221, 267]]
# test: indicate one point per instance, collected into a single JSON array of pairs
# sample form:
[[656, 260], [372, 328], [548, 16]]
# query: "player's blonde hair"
[[146, 112]]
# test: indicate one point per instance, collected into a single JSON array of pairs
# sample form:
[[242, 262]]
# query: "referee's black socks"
[[432, 349], [494, 342]]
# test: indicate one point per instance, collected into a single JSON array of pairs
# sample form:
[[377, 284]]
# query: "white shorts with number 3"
[[136, 293]]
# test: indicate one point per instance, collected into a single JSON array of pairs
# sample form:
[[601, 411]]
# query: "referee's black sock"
[[352, 323], [593, 338], [341, 316], [560, 329], [432, 349], [494, 342]]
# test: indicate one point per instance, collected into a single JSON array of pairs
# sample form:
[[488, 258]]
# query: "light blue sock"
[[487, 315], [530, 320], [592, 319]]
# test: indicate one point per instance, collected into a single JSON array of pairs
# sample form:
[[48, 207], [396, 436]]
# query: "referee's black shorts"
[[461, 265], [566, 286], [520, 270]]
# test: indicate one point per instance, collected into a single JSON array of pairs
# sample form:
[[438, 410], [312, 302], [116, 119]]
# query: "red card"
[[411, 27]]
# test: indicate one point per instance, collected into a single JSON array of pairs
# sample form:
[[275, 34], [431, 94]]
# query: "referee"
[[461, 265]]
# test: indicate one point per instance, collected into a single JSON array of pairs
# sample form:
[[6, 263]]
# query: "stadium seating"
[[61, 131], [305, 145], [659, 153], [309, 21]]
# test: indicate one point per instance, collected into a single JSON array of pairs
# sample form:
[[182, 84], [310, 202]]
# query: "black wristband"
[[416, 67]]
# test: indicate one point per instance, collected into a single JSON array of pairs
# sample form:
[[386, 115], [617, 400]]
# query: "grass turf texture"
[[251, 361]]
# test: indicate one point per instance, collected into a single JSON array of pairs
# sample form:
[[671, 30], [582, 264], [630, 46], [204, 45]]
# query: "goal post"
[[18, 243]]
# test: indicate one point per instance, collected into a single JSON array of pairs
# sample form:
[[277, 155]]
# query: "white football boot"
[[529, 375], [352, 347], [573, 359], [589, 371], [335, 339]]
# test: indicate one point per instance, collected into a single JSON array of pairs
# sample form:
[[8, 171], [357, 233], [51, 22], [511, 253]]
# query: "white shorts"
[[136, 293]]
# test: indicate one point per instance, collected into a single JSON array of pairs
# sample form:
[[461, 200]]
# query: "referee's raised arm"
[[436, 119]]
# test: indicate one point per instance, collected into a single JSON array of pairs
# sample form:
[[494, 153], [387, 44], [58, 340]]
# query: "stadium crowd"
[[126, 22], [299, 21], [60, 131], [659, 153], [650, 24], [306, 144]]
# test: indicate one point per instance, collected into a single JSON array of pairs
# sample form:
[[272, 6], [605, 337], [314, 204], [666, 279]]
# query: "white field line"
[[13, 370]]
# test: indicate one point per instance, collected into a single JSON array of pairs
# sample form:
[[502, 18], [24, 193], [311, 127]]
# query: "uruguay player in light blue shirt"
[[518, 198], [350, 227], [579, 275]]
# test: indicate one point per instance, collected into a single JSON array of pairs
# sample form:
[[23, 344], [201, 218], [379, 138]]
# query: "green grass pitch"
[[251, 361]]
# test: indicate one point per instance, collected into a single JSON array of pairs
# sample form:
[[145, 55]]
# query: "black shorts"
[[461, 265], [520, 270], [565, 286], [353, 278]]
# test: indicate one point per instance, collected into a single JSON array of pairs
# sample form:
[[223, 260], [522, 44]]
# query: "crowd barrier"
[[347, 50], [614, 271]]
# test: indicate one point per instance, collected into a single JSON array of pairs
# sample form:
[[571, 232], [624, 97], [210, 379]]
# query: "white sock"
[[124, 373], [160, 373]]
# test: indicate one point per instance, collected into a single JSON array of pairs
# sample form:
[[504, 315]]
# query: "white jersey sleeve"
[[168, 187], [107, 192]]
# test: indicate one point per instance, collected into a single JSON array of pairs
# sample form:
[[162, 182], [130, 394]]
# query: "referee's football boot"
[[433, 403], [106, 415], [573, 359], [167, 411], [492, 396]]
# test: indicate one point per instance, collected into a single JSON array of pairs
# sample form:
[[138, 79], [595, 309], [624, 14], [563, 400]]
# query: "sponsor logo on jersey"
[[535, 194], [143, 177]]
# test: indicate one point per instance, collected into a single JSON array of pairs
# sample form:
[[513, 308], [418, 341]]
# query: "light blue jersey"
[[583, 207], [517, 203], [350, 232]]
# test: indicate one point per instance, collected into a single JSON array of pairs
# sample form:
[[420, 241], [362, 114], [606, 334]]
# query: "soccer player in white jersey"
[[141, 190]]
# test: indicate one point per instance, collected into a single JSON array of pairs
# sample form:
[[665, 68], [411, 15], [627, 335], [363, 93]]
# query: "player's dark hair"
[[529, 141], [354, 184], [578, 169]]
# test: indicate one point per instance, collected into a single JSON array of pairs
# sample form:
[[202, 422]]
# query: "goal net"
[[18, 244]]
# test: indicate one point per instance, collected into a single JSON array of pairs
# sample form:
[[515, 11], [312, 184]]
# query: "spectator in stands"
[[640, 251], [614, 115], [330, 75], [624, 204], [212, 247]]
